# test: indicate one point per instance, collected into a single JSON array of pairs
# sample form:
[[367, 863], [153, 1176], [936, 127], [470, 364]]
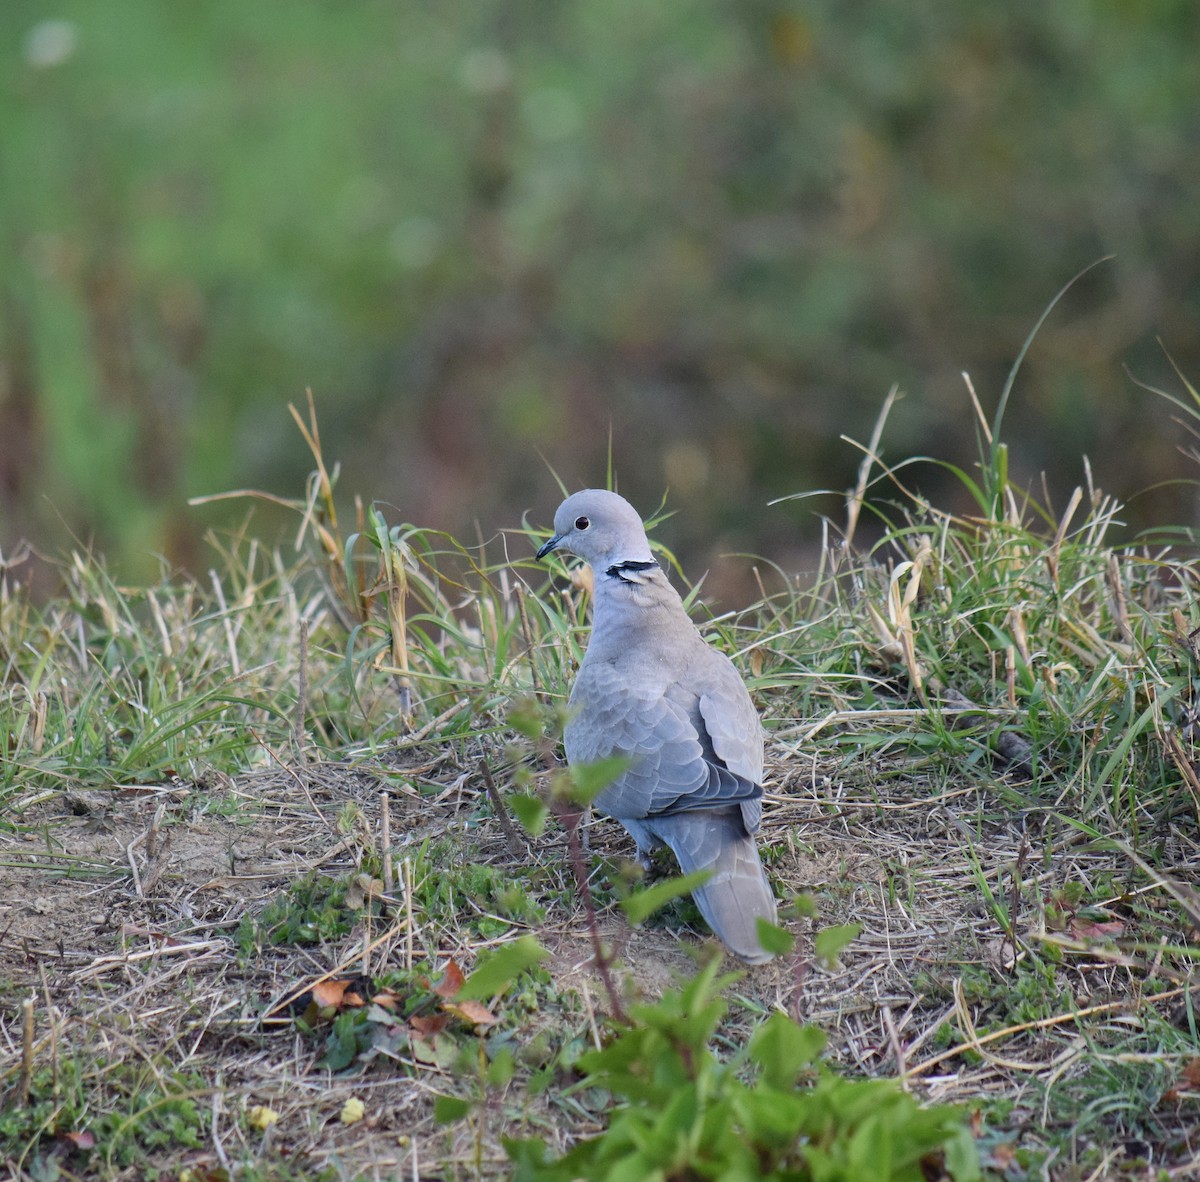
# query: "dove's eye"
[[582, 523]]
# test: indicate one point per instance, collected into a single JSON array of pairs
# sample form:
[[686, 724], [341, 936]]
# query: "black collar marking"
[[617, 570]]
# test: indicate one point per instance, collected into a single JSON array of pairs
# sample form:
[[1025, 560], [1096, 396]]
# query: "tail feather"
[[737, 893]]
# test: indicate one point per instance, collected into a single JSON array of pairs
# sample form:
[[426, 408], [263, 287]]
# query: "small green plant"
[[450, 888], [405, 1015], [312, 910], [773, 1112]]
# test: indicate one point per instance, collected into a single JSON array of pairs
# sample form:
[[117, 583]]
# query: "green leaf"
[[527, 718], [805, 906], [438, 1050], [496, 972], [531, 811], [643, 904], [448, 1109], [771, 1116], [783, 1049], [962, 1156], [342, 1045], [501, 1069], [527, 1153], [588, 780], [773, 938], [830, 941]]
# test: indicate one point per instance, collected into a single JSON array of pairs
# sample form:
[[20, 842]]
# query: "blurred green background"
[[489, 233]]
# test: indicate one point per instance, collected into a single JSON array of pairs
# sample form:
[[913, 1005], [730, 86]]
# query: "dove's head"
[[601, 528]]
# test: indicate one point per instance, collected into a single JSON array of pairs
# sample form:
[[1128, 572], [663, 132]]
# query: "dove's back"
[[652, 689]]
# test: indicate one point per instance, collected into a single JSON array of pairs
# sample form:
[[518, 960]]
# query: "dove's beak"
[[550, 545]]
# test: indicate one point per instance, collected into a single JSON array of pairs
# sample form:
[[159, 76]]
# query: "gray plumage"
[[650, 688]]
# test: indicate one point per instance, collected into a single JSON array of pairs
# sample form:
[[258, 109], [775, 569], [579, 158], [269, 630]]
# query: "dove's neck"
[[632, 586], [631, 570]]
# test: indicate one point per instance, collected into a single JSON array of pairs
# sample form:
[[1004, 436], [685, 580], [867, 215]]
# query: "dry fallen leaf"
[[338, 993], [451, 982], [430, 1024], [363, 887], [1003, 1155], [81, 1140], [470, 1011], [388, 998], [330, 993], [1187, 1085], [998, 953], [1083, 929]]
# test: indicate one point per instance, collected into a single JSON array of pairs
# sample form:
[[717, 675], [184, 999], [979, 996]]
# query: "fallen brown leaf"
[[81, 1140], [429, 1025], [1003, 1155], [328, 994], [451, 982], [1187, 1085], [1083, 929], [363, 888], [471, 1011]]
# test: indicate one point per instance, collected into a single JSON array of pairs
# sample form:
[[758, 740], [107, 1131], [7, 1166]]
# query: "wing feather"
[[670, 771], [731, 721]]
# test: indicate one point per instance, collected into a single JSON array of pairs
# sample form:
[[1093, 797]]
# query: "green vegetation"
[[687, 1114], [267, 902], [148, 1108], [312, 911]]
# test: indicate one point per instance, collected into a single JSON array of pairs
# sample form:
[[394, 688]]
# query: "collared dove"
[[650, 688]]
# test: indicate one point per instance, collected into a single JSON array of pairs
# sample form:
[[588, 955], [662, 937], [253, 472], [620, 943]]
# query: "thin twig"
[[103, 963], [1014, 898], [226, 622], [570, 817], [515, 845], [301, 692], [152, 833], [856, 499], [137, 878], [529, 647], [385, 837], [893, 1036], [431, 725], [217, 1144], [1185, 768], [26, 1052], [408, 913], [52, 1016]]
